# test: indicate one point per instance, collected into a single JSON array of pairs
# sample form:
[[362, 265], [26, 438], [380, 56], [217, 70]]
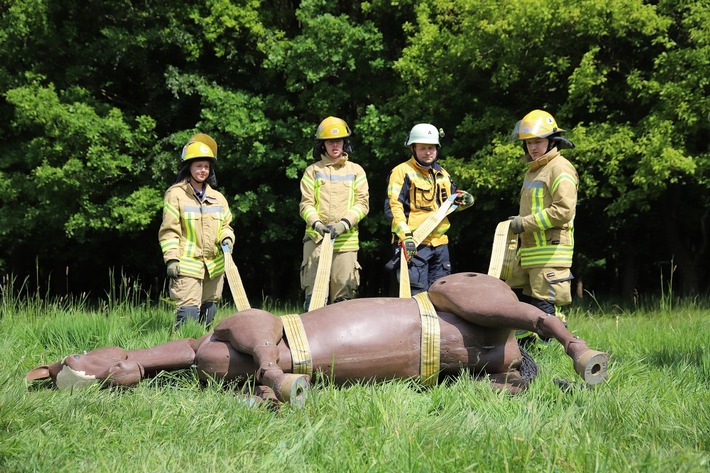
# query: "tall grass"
[[653, 414]]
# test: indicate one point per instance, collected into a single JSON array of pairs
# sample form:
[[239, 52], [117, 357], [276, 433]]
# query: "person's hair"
[[319, 147], [184, 172]]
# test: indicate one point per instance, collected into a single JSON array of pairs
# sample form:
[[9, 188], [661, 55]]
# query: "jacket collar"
[[329, 162], [189, 190], [542, 160], [435, 166]]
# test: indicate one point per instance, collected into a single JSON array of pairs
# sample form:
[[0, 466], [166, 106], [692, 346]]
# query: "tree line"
[[99, 97]]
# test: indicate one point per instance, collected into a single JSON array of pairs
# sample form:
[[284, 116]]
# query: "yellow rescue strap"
[[319, 297], [235, 281], [505, 244], [298, 342], [419, 235], [405, 290], [431, 340]]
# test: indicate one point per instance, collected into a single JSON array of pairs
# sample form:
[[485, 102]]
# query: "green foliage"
[[83, 162], [229, 28], [99, 99]]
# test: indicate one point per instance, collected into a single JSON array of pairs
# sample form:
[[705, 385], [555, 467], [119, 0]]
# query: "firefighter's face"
[[200, 170], [425, 152], [536, 147], [334, 148]]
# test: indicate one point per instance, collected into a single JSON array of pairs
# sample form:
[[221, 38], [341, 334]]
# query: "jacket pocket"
[[424, 195], [558, 236], [559, 275]]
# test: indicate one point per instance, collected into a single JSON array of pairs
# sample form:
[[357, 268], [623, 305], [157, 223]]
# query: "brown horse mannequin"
[[361, 339]]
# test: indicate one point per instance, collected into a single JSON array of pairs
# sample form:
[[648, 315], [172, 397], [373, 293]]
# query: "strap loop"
[[431, 340], [298, 343]]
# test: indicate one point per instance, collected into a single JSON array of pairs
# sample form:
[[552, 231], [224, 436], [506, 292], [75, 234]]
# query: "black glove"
[[516, 224], [320, 228], [173, 269], [409, 248]]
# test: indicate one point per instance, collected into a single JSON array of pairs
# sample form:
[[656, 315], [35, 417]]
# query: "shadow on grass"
[[676, 357]]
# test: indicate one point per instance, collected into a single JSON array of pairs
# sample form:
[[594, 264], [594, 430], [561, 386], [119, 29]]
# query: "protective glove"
[[337, 229], [464, 199], [320, 228], [516, 224], [228, 243], [409, 248], [173, 269]]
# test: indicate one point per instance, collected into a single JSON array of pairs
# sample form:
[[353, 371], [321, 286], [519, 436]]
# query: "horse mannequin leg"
[[116, 366], [489, 302], [257, 332]]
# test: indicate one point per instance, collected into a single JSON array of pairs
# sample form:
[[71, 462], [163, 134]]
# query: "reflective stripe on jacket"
[[547, 204], [413, 193], [333, 191], [192, 231]]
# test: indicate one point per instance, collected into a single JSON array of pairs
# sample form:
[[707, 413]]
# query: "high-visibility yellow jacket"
[[547, 204], [413, 193], [333, 191], [192, 231]]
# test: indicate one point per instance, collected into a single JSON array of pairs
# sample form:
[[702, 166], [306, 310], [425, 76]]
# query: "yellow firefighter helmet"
[[199, 146], [195, 150], [536, 124], [206, 139], [332, 128]]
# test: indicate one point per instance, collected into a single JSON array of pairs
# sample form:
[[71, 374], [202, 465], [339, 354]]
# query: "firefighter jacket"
[[192, 230], [413, 193], [547, 205], [333, 191]]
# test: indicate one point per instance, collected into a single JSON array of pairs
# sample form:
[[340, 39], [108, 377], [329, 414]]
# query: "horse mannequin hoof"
[[294, 390], [592, 366]]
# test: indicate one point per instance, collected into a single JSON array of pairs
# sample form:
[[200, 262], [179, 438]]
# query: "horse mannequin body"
[[360, 339]]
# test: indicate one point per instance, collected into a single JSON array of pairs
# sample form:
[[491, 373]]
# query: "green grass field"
[[653, 413]]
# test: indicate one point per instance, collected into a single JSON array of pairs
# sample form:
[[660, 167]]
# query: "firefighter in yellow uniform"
[[335, 196], [196, 222], [416, 189], [545, 223]]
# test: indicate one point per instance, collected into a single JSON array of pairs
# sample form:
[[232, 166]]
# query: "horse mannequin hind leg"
[[490, 303], [258, 333]]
